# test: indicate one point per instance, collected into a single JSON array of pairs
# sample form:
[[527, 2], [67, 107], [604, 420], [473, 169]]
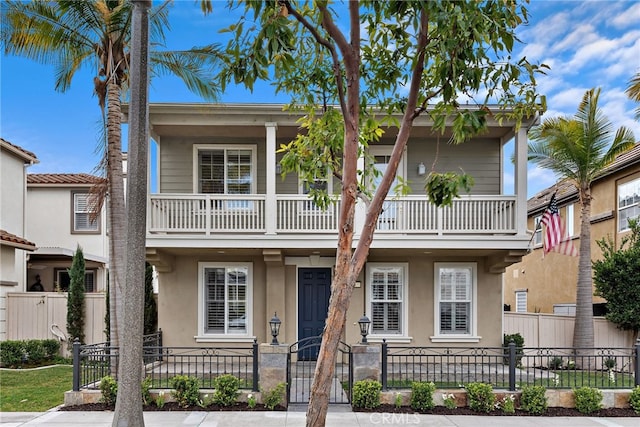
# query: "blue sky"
[[586, 43]]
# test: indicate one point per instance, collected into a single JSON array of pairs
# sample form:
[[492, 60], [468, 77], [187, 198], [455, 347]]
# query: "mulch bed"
[[438, 410]]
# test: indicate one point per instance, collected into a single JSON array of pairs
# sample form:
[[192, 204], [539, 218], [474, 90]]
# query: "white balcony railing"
[[219, 213]]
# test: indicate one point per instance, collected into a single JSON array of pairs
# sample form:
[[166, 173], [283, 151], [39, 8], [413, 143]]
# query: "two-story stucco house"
[[59, 214], [14, 244], [233, 242], [547, 284]]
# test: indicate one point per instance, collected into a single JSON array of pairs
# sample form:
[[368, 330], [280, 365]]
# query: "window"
[[63, 280], [381, 156], [455, 302], [82, 212], [521, 301], [387, 298], [628, 203], [537, 234], [569, 220], [322, 184], [225, 171], [225, 299]]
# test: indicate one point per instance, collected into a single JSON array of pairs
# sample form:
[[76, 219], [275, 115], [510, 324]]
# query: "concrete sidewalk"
[[297, 419]]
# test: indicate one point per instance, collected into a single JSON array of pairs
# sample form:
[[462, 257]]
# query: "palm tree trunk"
[[583, 330], [116, 217]]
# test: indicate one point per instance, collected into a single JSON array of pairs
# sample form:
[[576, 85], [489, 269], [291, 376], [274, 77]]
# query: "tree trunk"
[[583, 329], [128, 411]]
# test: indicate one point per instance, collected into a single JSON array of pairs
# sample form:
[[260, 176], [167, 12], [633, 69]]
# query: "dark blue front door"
[[314, 290]]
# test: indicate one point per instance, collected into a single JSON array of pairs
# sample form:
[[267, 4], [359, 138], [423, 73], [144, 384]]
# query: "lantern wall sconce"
[[274, 324], [364, 323], [422, 169]]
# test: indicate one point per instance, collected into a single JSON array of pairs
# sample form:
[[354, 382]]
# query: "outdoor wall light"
[[422, 169], [274, 323], [364, 323]]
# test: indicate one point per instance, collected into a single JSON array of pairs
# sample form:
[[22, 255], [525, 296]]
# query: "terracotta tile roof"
[[63, 178], [17, 241], [27, 155], [566, 190]]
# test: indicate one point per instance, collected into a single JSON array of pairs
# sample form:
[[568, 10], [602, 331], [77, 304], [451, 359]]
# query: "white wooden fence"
[[552, 330], [40, 315]]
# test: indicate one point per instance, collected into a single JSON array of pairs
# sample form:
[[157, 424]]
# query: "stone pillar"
[[366, 362], [273, 367]]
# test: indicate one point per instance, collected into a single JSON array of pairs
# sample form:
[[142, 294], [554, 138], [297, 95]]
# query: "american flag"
[[555, 237]]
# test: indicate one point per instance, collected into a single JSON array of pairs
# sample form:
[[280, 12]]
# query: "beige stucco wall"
[[552, 279], [178, 299]]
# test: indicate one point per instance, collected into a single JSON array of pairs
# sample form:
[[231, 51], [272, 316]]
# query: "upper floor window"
[[455, 301], [537, 234], [387, 286], [225, 292], [569, 220], [628, 203], [229, 170], [84, 219]]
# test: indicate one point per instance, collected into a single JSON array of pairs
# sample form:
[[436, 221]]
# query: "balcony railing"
[[220, 213]]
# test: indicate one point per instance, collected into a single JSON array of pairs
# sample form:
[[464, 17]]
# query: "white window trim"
[[387, 150], [204, 337], [618, 208], [471, 337], [204, 147], [537, 231], [305, 207], [403, 336], [89, 271], [569, 220], [74, 228], [526, 295]]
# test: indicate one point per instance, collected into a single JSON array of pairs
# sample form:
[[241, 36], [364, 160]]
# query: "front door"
[[314, 290]]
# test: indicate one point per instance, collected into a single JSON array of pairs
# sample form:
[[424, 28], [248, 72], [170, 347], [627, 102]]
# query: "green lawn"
[[34, 390]]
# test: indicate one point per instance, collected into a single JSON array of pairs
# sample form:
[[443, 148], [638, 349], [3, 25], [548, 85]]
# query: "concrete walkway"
[[297, 419]]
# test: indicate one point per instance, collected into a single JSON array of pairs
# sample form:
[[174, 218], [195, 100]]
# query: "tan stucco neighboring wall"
[[552, 279]]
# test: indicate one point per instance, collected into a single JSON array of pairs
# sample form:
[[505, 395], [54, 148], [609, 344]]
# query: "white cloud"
[[629, 18]]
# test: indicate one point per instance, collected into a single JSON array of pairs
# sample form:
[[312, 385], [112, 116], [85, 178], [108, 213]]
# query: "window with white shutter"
[[387, 296], [455, 302], [82, 214]]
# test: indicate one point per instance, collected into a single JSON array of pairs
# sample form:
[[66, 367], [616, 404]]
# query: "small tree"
[[617, 279], [150, 308], [75, 299]]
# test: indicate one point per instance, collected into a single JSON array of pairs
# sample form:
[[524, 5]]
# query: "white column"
[[271, 207], [521, 147]]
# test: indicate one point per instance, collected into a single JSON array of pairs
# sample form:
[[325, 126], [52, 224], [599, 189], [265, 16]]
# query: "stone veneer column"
[[366, 362], [273, 367]]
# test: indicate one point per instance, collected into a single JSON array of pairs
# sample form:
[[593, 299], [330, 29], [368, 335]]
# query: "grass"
[[34, 390]]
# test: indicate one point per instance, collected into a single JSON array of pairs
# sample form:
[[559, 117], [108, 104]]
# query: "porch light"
[[422, 169], [364, 323], [274, 323]]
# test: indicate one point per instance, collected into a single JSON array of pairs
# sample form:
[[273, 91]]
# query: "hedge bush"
[[14, 354], [366, 394]]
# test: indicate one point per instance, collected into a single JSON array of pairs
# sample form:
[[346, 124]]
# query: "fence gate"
[[300, 371]]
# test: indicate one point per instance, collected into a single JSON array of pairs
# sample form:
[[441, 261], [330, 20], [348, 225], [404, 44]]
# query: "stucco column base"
[[366, 362], [273, 367]]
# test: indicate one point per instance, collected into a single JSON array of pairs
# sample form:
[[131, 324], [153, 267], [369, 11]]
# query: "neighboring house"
[[547, 283], [61, 217], [234, 243], [13, 225]]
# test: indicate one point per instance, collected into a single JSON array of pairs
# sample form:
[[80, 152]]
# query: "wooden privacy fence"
[[43, 315], [542, 330]]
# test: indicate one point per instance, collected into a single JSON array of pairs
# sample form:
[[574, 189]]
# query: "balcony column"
[[270, 205], [521, 147], [361, 207]]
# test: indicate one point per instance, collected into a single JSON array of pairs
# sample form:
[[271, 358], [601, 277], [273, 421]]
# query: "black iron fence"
[[511, 367], [92, 362]]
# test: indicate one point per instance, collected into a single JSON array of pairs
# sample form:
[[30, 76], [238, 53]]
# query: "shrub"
[[274, 397], [226, 390], [508, 404], [251, 401], [146, 387], [449, 401], [610, 363], [555, 363], [11, 353], [366, 394], [634, 399], [36, 353], [518, 340], [422, 396], [109, 390], [481, 397], [160, 400], [588, 399], [533, 399], [187, 390], [51, 348], [398, 400], [75, 298]]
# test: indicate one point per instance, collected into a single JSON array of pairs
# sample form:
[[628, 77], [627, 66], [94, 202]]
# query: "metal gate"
[[300, 371]]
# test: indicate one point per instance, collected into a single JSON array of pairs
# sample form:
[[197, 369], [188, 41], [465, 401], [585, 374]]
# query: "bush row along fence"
[[93, 362], [511, 367]]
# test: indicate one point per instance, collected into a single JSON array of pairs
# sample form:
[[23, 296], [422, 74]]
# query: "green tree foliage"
[[150, 307], [617, 279], [578, 149], [75, 298], [359, 68]]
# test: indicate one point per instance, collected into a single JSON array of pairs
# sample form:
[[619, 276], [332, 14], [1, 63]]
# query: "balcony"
[[256, 214]]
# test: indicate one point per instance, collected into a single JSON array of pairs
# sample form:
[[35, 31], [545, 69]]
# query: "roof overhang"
[[65, 252]]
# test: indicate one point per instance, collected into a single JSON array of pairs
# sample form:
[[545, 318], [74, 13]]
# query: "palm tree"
[[71, 34], [578, 149], [633, 91]]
